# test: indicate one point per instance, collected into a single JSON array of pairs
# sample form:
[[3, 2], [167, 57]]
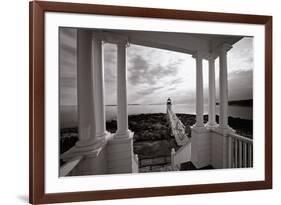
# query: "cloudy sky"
[[156, 74]]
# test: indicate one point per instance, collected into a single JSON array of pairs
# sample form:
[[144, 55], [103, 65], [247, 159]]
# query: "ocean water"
[[68, 114]]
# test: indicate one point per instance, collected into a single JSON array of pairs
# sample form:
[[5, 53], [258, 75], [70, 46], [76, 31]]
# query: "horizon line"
[[175, 103]]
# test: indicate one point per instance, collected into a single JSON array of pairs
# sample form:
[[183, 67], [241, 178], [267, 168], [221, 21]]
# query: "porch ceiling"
[[180, 42]]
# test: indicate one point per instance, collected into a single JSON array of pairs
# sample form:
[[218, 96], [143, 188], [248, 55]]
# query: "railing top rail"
[[178, 128], [181, 148], [136, 157], [69, 166], [239, 137]]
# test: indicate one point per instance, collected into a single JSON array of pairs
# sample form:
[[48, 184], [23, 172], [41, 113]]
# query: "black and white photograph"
[[148, 101], [131, 102]]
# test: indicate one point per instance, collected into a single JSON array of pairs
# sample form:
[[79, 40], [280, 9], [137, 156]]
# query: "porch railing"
[[135, 163], [183, 154], [69, 166], [240, 151], [177, 128]]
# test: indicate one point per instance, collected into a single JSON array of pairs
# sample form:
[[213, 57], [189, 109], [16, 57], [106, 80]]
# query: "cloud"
[[171, 88], [241, 55], [176, 81], [155, 74], [67, 63], [110, 63], [142, 72], [149, 90]]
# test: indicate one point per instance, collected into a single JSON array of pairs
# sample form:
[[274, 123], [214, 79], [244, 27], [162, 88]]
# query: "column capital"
[[107, 37], [98, 35], [211, 57], [225, 47], [198, 55], [125, 43], [116, 38]]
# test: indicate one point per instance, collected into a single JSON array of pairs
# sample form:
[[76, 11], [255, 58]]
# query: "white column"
[[120, 151], [199, 91], [89, 146], [223, 120], [98, 84], [122, 112], [86, 113], [212, 93]]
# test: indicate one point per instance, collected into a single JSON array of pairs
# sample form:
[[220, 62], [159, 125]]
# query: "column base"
[[120, 154], [220, 150], [83, 148], [224, 130], [211, 125], [102, 135], [123, 134], [92, 157], [198, 128], [200, 146]]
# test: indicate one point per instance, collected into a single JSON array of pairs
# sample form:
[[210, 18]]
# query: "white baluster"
[[250, 155], [242, 151], [244, 154], [230, 152], [236, 154], [240, 154], [173, 152]]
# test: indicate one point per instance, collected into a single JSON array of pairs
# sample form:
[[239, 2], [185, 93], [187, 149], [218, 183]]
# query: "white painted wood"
[[244, 154], [199, 91], [122, 112], [240, 154], [135, 164], [224, 151], [216, 150], [168, 41], [250, 155], [230, 151], [173, 152], [177, 127], [91, 165], [241, 138], [98, 83], [200, 147], [120, 154], [69, 166], [223, 82], [182, 155], [212, 93], [236, 153], [180, 42], [244, 148], [86, 113]]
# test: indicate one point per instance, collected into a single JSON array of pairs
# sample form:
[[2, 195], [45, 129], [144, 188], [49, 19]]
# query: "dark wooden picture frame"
[[37, 10]]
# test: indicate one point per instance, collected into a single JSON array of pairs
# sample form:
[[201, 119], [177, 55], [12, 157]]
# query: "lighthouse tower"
[[169, 104]]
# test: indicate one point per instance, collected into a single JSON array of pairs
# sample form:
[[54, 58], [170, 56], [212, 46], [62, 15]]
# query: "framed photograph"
[[139, 102]]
